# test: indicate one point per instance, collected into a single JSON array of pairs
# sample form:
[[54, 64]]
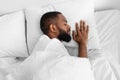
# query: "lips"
[[68, 32]]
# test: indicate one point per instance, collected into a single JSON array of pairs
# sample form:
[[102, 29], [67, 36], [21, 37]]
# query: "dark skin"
[[80, 35]]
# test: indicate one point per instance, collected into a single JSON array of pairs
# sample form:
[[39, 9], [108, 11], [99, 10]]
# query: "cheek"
[[64, 28], [58, 31]]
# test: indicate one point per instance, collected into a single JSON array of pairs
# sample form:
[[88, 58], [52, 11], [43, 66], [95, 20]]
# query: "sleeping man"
[[54, 25], [55, 61]]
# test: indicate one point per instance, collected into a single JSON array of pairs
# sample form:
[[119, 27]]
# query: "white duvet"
[[52, 63]]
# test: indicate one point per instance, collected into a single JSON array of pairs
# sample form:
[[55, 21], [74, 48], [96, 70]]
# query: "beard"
[[64, 36]]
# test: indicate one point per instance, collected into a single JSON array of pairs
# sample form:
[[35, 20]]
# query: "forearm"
[[82, 50]]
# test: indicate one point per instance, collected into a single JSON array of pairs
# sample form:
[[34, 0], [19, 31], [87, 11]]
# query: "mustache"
[[69, 30]]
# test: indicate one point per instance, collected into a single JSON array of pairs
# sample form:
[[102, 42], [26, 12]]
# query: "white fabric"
[[106, 4], [41, 43], [12, 35], [54, 63], [7, 61], [7, 6], [49, 63], [6, 66], [82, 10], [108, 23], [103, 65], [108, 26], [103, 69]]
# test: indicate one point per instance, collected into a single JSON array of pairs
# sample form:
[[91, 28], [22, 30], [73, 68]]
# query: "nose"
[[69, 27]]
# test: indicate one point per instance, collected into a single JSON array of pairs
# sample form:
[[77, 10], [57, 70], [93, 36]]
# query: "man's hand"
[[81, 33], [81, 37]]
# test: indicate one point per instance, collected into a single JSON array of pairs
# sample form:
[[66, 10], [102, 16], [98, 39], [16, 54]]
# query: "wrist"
[[82, 44], [82, 50]]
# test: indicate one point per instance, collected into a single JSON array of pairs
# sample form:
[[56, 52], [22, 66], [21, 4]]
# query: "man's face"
[[63, 28]]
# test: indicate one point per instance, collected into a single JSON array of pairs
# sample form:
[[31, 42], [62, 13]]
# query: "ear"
[[53, 28]]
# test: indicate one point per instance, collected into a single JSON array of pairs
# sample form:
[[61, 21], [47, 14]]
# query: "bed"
[[107, 25]]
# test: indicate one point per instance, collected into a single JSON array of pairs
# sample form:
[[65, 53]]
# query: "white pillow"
[[74, 13], [12, 35]]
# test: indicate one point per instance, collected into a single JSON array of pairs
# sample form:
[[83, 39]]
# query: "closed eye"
[[65, 24]]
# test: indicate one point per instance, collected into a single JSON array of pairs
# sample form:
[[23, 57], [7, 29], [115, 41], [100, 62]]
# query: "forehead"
[[62, 18]]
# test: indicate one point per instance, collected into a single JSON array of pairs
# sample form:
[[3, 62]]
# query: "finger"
[[77, 28], [74, 35], [84, 26], [81, 25], [87, 29]]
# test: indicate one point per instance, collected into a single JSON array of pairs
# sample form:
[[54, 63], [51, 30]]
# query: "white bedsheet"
[[108, 26], [106, 66]]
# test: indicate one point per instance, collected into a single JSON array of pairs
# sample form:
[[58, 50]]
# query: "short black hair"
[[47, 19]]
